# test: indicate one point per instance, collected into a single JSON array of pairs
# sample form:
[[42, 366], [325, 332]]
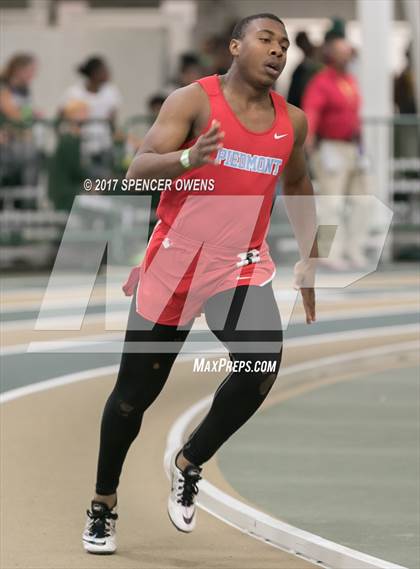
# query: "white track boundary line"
[[56, 382], [23, 305], [262, 526], [110, 338], [56, 304], [70, 322], [65, 344], [67, 323]]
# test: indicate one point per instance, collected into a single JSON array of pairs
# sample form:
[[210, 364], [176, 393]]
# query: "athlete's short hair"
[[240, 27]]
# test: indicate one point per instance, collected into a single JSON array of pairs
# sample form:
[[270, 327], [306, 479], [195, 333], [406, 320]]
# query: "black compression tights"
[[252, 321]]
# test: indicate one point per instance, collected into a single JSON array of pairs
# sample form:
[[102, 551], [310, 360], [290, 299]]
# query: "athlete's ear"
[[234, 47]]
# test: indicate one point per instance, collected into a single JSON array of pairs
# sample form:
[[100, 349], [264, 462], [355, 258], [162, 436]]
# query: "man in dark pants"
[[208, 254]]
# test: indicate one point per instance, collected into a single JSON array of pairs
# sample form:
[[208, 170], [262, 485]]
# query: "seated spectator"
[[102, 100], [19, 160]]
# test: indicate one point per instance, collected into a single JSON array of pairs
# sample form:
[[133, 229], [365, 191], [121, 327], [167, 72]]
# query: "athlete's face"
[[262, 52]]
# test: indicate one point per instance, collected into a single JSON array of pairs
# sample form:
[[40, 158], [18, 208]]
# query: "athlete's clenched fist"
[[206, 144]]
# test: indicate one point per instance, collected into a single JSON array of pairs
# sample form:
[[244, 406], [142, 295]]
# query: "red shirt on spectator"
[[332, 102]]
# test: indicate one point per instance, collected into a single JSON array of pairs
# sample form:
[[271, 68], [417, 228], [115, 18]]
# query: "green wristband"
[[185, 158]]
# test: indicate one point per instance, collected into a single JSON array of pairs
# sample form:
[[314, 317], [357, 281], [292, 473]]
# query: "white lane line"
[[78, 288], [336, 314], [112, 308], [354, 334], [64, 344], [56, 382], [62, 323], [113, 342], [267, 528], [114, 296], [58, 304], [60, 380]]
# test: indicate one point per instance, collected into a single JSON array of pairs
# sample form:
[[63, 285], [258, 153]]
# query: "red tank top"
[[231, 202]]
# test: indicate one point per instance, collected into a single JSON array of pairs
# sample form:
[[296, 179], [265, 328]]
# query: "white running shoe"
[[184, 489], [99, 535]]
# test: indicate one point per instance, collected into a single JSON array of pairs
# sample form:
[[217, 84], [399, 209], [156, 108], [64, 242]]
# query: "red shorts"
[[178, 275]]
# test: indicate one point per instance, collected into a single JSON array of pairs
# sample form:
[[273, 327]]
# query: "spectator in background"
[[332, 104], [65, 168], [336, 31], [190, 69], [306, 69], [132, 140], [216, 54], [15, 82], [154, 104], [404, 92], [406, 136], [101, 99], [19, 160]]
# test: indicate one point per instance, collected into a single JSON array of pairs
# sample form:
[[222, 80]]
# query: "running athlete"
[[208, 254]]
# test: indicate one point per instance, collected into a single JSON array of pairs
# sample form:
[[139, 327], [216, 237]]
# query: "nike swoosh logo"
[[188, 520], [94, 542], [278, 136]]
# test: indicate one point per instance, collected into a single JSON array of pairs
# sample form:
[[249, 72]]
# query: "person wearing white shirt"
[[101, 100]]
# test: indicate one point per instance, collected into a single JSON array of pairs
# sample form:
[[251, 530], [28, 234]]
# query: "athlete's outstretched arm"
[[159, 154], [300, 206]]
